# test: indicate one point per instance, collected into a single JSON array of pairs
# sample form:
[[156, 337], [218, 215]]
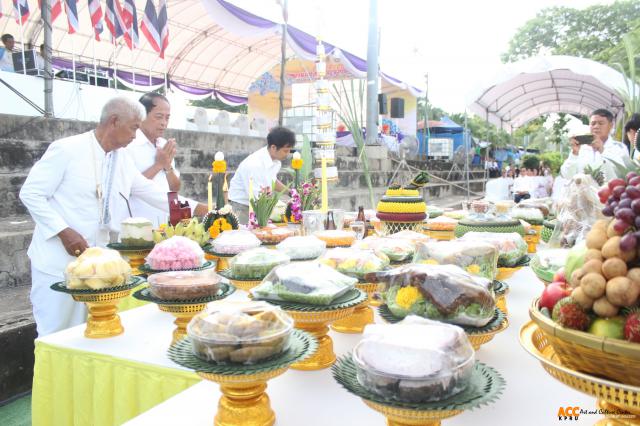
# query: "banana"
[[169, 231], [179, 230]]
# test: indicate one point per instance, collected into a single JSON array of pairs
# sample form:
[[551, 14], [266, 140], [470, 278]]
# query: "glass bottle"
[[361, 217], [329, 224]]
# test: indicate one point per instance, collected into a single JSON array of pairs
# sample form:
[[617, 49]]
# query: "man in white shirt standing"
[[6, 53], [262, 168], [154, 156], [70, 193], [601, 124]]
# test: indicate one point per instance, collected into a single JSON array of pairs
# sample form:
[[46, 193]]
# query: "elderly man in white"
[[70, 193], [154, 155]]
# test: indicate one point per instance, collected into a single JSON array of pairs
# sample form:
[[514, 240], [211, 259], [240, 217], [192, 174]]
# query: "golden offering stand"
[[244, 400], [134, 255], [533, 239], [103, 319], [619, 402], [397, 416], [362, 314], [479, 339]]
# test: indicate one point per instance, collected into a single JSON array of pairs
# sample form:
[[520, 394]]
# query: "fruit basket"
[[613, 397], [606, 357]]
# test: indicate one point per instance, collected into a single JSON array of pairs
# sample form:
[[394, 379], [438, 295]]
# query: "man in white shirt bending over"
[[262, 167], [154, 155]]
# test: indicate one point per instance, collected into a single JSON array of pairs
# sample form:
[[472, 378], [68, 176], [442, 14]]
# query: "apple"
[[608, 327], [559, 276], [552, 293]]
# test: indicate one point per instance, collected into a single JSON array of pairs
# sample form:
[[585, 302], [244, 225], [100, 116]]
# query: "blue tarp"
[[446, 128]]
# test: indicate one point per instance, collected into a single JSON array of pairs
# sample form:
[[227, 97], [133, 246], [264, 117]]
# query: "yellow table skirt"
[[131, 302], [73, 387]]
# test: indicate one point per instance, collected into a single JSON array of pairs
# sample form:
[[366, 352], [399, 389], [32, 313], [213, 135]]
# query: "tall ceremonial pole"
[[48, 72], [372, 74]]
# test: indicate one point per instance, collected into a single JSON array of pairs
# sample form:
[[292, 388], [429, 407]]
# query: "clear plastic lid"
[[415, 348], [477, 257], [511, 246], [355, 262], [528, 214], [183, 285], [273, 234], [234, 242], [440, 292], [552, 259], [336, 237], [304, 282], [396, 249], [256, 263], [97, 268], [302, 248], [411, 236], [175, 253]]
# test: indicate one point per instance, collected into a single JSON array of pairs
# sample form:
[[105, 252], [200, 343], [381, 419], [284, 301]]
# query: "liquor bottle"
[[329, 224], [361, 217]]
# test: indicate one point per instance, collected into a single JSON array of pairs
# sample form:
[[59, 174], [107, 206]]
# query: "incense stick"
[[126, 201]]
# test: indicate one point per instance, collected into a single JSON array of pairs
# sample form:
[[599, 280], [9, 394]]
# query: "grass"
[[17, 412]]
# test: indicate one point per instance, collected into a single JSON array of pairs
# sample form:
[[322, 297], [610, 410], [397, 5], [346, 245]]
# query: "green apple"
[[608, 327]]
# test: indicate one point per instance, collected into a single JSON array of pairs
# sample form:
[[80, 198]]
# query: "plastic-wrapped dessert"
[[184, 285], [97, 268], [413, 236], [256, 263], [439, 292], [546, 263], [273, 234], [415, 360], [174, 254], [336, 237], [302, 248], [477, 257], [136, 232], [531, 215], [239, 332], [511, 246], [304, 282], [354, 262], [396, 249], [234, 242], [442, 223]]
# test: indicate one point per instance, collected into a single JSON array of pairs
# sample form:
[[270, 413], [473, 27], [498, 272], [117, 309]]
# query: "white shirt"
[[522, 184], [143, 154], [261, 168], [6, 60], [60, 192], [539, 187], [614, 150]]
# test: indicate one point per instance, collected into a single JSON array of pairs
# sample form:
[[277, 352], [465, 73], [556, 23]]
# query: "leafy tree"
[[593, 32], [553, 159], [531, 161], [482, 130], [434, 112]]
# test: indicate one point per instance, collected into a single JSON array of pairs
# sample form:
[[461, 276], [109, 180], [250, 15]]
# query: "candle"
[[325, 194], [209, 194], [250, 194]]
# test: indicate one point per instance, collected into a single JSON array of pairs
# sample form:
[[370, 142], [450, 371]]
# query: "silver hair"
[[123, 108]]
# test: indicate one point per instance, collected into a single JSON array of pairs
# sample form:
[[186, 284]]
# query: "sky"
[[457, 43]]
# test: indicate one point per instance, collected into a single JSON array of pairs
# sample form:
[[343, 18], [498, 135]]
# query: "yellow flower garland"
[[407, 296], [219, 225]]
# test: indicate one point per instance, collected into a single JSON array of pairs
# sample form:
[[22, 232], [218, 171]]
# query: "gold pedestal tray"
[[222, 260], [183, 310], [244, 401], [485, 386], [477, 336], [533, 239], [134, 255], [616, 398], [242, 284], [103, 319], [506, 272], [315, 319], [501, 290], [441, 235], [362, 314]]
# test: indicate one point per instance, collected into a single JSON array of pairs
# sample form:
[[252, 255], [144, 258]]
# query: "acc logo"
[[568, 413]]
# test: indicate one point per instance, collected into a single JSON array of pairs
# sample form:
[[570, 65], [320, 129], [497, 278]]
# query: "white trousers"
[[52, 310]]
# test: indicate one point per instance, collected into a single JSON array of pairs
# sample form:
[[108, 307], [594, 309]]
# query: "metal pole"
[[24, 63], [425, 129], [95, 66], [48, 72], [283, 60], [372, 74], [466, 154]]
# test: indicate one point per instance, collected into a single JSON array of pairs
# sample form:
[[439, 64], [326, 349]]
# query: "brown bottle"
[[361, 217], [329, 224]]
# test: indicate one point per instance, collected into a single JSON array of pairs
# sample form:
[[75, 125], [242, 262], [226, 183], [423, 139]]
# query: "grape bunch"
[[621, 198]]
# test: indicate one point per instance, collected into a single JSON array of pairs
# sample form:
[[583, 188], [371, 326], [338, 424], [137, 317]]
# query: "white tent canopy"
[[525, 90], [214, 45]]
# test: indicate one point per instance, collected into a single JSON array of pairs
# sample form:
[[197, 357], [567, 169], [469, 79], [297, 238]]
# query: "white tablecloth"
[[532, 397]]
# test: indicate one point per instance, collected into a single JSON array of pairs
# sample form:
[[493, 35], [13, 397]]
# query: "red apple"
[[559, 276], [552, 293]]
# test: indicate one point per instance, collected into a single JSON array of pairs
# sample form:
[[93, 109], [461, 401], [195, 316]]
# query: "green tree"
[[434, 112], [482, 130], [593, 32]]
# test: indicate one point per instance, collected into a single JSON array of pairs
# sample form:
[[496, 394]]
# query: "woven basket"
[[614, 359], [389, 228], [465, 226]]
